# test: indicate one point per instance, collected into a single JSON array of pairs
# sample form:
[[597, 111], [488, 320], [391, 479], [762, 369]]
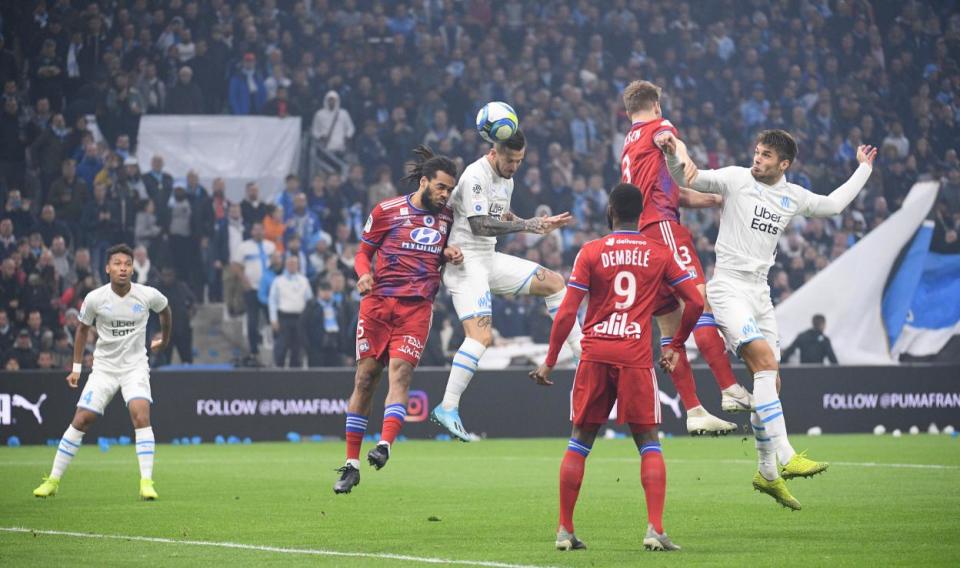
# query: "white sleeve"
[[88, 309], [158, 302], [473, 199], [713, 181], [829, 205]]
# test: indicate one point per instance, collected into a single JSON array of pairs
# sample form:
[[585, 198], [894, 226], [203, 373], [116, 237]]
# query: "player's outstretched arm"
[[837, 201], [487, 226], [691, 199], [681, 165], [79, 344]]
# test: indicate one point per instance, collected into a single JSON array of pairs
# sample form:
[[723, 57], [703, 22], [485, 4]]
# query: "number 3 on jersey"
[[684, 253], [625, 284]]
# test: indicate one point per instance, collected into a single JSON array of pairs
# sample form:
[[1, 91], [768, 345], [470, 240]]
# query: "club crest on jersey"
[[785, 202], [137, 308], [429, 220], [618, 326], [425, 236], [443, 228], [363, 346]]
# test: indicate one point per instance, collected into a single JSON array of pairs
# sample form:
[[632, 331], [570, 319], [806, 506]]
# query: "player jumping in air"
[[408, 235], [758, 205], [643, 164], [481, 205], [624, 273], [120, 311]]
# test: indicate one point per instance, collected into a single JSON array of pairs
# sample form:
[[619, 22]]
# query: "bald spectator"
[[185, 96]]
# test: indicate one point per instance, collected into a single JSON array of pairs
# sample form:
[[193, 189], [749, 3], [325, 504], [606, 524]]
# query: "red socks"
[[571, 476], [653, 476]]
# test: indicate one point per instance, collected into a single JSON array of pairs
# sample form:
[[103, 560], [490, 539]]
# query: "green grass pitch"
[[489, 502]]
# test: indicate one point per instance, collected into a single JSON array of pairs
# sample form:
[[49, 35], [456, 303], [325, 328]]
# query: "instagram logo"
[[417, 406]]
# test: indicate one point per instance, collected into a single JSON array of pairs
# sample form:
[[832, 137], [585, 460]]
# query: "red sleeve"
[[577, 288], [665, 126], [374, 231], [679, 279]]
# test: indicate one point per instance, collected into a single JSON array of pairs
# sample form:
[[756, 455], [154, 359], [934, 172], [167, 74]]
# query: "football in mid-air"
[[496, 122]]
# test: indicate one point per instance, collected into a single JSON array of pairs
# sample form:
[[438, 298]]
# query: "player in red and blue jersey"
[[643, 164], [624, 274], [408, 234]]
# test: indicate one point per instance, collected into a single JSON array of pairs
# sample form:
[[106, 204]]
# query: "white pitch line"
[[110, 463], [277, 549]]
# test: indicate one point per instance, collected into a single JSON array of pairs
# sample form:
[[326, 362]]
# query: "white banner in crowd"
[[849, 291], [237, 148]]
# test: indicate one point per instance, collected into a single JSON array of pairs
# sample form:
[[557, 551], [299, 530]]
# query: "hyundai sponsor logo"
[[425, 236]]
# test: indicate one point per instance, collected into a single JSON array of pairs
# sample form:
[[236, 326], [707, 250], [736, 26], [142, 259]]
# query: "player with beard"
[[481, 205], [408, 234]]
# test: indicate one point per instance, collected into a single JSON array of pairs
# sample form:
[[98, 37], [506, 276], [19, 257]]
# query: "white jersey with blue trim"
[[121, 325], [754, 216], [480, 191]]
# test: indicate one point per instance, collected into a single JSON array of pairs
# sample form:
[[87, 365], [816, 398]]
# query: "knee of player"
[[83, 420], [365, 381], [484, 337], [401, 373], [553, 282]]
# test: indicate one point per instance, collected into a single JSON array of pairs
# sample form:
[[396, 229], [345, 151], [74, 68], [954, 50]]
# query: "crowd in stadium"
[[373, 79]]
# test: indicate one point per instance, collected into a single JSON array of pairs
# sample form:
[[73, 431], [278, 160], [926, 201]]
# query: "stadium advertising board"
[[267, 405]]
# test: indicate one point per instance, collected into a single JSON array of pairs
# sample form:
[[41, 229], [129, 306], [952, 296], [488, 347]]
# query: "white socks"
[[69, 446], [553, 302], [766, 455], [770, 414], [465, 364], [145, 451]]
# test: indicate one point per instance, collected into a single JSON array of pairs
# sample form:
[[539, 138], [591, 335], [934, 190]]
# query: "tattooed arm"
[[487, 226]]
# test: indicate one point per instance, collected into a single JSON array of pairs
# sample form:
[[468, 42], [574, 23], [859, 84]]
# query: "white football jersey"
[[754, 215], [121, 325], [480, 191]]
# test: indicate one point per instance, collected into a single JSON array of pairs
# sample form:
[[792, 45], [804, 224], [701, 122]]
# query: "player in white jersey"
[[481, 207], [758, 205], [120, 311]]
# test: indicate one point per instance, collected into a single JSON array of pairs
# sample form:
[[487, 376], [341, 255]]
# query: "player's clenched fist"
[[365, 284], [453, 254]]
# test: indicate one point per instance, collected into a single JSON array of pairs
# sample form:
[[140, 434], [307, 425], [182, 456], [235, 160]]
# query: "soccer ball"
[[497, 122]]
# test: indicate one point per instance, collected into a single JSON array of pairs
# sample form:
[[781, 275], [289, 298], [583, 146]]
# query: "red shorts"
[[393, 328], [678, 238], [597, 386]]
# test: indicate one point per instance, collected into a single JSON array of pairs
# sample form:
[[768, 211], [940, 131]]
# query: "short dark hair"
[[121, 248], [516, 142], [626, 202], [427, 164], [639, 96], [818, 318], [781, 142]]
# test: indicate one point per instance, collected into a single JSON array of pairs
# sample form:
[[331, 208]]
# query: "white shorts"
[[103, 385], [482, 273], [743, 309]]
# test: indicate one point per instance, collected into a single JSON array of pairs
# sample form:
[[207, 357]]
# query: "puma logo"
[[673, 403], [27, 405]]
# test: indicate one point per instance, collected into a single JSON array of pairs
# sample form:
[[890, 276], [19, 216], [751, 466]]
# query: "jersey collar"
[[414, 207]]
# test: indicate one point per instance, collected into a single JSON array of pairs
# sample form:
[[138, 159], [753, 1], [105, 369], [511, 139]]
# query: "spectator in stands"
[[285, 197], [22, 353], [813, 344], [288, 297], [147, 228], [99, 224], [8, 241], [227, 239], [185, 97], [248, 94], [17, 210], [303, 222], [7, 332], [62, 352], [68, 193], [60, 259], [326, 327], [159, 185], [144, 272], [249, 263], [182, 306], [332, 126], [252, 209], [40, 336], [274, 226], [49, 226]]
